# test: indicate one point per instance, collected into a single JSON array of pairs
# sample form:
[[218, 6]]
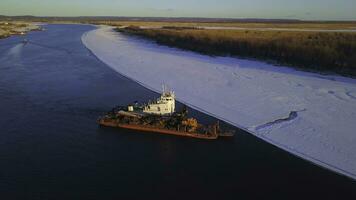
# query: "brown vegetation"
[[15, 28], [316, 51], [248, 25]]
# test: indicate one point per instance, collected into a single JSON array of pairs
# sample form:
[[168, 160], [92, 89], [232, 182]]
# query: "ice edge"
[[250, 130]]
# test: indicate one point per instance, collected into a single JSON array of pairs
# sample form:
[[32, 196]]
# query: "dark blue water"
[[52, 91]]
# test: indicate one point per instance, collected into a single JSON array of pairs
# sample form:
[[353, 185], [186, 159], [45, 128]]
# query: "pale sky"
[[289, 9]]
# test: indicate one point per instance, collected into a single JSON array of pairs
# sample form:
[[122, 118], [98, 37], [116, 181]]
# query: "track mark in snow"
[[295, 84], [325, 77], [350, 94], [241, 75], [236, 75], [344, 96], [335, 95], [300, 85], [339, 95], [292, 115]]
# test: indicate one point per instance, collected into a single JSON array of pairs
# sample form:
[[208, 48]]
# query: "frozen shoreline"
[[309, 115]]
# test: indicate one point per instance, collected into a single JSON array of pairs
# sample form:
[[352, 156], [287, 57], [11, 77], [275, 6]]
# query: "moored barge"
[[160, 117]]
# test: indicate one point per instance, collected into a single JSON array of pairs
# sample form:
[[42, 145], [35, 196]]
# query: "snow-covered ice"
[[310, 115]]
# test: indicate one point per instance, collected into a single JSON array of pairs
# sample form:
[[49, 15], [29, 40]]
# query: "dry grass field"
[[15, 28], [295, 25]]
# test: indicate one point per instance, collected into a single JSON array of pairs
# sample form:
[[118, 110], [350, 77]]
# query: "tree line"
[[314, 51]]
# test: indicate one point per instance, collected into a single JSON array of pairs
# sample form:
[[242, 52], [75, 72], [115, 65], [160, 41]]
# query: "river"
[[52, 90]]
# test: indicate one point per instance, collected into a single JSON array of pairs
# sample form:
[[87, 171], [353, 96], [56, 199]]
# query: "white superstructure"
[[165, 105]]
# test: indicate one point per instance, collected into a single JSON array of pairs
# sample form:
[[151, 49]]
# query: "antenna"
[[166, 90]]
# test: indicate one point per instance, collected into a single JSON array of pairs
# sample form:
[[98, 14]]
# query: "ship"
[[160, 116]]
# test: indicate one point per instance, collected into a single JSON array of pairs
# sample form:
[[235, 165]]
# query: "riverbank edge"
[[275, 62], [294, 152]]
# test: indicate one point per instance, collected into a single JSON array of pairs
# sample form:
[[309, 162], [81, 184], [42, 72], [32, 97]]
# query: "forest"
[[325, 52]]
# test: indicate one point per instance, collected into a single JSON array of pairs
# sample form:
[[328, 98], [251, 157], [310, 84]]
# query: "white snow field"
[[310, 115]]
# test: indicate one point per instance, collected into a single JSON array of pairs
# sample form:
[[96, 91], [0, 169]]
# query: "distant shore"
[[8, 29]]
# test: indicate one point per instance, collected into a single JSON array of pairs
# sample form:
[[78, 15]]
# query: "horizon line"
[[207, 18]]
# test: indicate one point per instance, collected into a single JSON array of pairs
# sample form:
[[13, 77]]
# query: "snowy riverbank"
[[309, 115]]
